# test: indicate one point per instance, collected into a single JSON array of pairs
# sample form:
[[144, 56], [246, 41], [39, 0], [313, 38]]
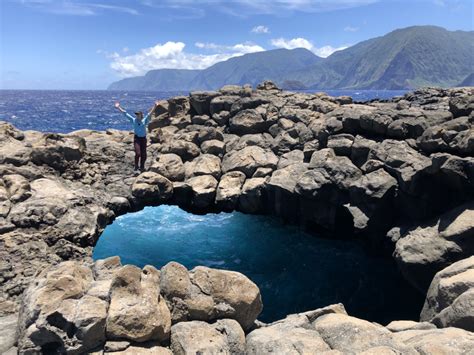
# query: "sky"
[[87, 44]]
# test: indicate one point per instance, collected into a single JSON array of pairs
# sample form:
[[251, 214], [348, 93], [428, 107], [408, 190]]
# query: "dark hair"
[[139, 113]]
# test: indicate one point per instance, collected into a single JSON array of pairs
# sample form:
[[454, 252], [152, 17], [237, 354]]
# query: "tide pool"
[[295, 271]]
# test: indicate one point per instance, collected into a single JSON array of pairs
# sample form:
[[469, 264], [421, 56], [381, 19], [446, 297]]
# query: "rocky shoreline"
[[398, 173]]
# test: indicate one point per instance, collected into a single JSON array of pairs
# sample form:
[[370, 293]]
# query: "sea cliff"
[[398, 174]]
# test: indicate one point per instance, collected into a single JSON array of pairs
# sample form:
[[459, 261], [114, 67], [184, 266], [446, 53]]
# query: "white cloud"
[[292, 43], [260, 29], [351, 29], [300, 42], [171, 55]]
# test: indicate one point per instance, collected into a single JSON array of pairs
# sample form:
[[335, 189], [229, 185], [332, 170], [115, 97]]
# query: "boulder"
[[249, 159], [228, 190], [205, 164], [247, 122], [461, 105], [450, 297], [252, 197], [351, 335], [137, 312], [293, 335], [293, 157], [170, 166], [423, 251], [203, 190], [208, 294], [222, 103], [57, 314], [214, 147], [152, 187], [178, 106], [438, 341], [58, 151], [186, 150], [232, 292], [402, 325], [268, 85], [200, 101], [223, 337], [341, 144]]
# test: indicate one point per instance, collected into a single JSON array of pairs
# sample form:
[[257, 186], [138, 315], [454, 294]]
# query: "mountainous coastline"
[[402, 59]]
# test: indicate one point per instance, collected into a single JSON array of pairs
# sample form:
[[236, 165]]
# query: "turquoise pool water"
[[295, 271]]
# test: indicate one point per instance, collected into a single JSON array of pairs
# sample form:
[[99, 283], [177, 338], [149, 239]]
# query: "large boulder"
[[223, 337], [205, 164], [228, 190], [201, 100], [186, 150], [247, 122], [57, 314], [137, 312], [352, 335], [252, 197], [208, 294], [438, 341], [293, 335], [170, 166], [152, 188], [203, 190], [178, 106], [58, 151], [423, 251], [248, 159], [450, 298]]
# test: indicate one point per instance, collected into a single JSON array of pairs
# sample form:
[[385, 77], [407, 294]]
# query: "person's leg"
[[142, 153], [136, 145]]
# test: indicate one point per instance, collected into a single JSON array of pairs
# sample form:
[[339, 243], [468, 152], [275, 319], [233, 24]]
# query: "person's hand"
[[117, 104], [157, 102]]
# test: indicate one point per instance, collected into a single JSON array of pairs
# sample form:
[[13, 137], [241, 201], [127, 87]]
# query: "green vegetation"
[[403, 59]]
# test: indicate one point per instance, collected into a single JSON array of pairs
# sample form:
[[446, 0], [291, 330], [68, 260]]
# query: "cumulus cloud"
[[260, 29], [171, 55], [300, 42]]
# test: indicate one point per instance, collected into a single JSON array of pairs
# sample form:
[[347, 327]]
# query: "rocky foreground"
[[399, 174]]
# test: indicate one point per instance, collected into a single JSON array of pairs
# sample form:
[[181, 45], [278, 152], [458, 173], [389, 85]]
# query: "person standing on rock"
[[140, 124]]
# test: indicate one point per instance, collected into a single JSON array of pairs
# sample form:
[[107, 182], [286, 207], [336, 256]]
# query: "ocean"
[[63, 111]]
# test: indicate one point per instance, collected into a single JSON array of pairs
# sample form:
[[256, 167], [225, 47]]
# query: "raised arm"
[[121, 109], [146, 119]]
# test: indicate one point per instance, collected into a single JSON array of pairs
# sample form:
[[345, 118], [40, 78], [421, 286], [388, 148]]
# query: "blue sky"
[[87, 44]]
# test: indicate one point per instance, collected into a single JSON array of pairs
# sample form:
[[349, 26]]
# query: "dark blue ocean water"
[[295, 271], [66, 111]]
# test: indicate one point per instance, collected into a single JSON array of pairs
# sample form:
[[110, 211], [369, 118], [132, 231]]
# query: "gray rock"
[[423, 251], [249, 159], [200, 101], [223, 337], [228, 190], [203, 189], [152, 187], [136, 311], [170, 166]]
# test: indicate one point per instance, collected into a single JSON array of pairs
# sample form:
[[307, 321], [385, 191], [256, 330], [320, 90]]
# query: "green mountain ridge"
[[402, 59]]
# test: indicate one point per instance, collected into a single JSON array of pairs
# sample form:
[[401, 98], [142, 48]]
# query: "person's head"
[[139, 115]]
